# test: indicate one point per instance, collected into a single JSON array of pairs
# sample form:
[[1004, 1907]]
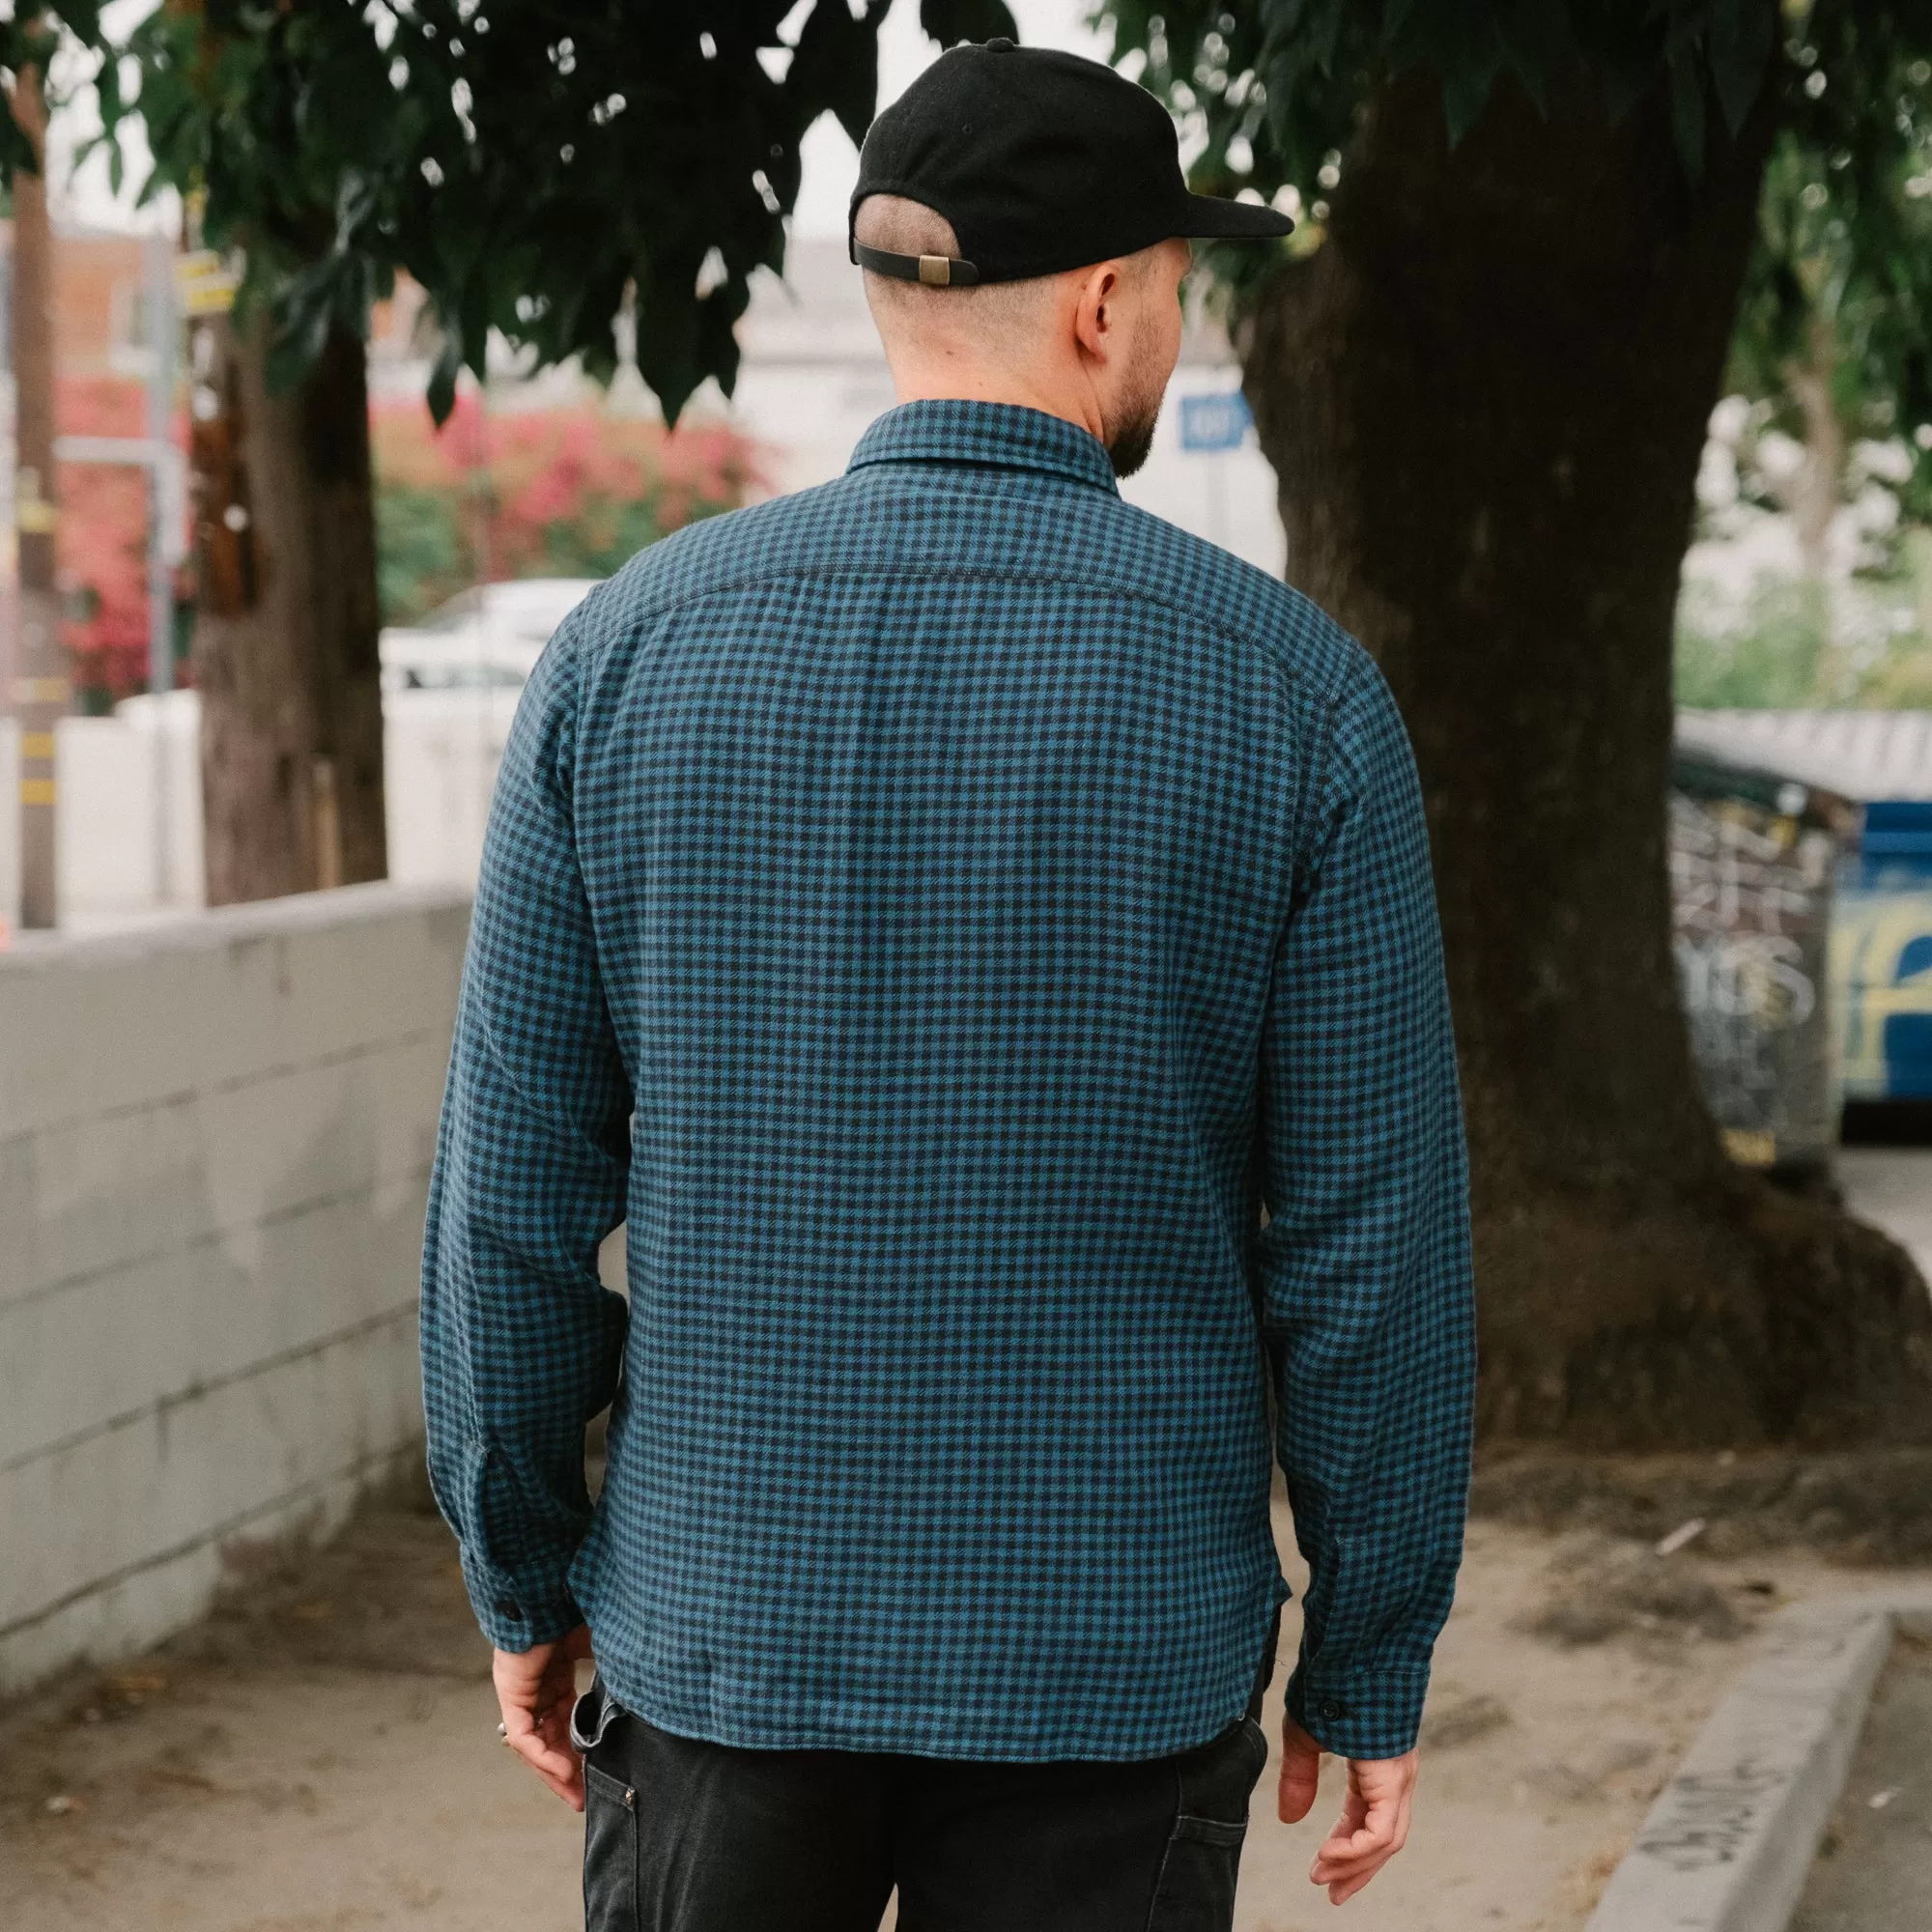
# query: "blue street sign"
[[1214, 422]]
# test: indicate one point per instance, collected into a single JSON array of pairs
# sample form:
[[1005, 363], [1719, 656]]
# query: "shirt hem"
[[902, 1730]]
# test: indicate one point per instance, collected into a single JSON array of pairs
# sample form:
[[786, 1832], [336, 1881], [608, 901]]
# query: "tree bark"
[[1485, 397], [1812, 497], [348, 683], [286, 653]]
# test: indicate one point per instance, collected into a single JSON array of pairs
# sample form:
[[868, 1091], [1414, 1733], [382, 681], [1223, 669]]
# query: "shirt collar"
[[1001, 435]]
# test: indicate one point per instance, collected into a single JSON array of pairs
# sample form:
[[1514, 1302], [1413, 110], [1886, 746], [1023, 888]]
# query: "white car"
[[486, 637]]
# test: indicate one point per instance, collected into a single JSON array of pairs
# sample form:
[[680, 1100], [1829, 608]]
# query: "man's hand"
[[536, 1688], [1374, 1814]]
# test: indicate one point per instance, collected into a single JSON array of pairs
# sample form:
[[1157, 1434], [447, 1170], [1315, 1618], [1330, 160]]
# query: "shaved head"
[[1022, 340], [1000, 314]]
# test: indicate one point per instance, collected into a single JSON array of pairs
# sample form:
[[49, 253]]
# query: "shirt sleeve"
[[1365, 1284], [520, 1343]]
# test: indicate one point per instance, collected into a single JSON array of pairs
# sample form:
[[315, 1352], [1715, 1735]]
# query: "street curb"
[[1729, 1842]]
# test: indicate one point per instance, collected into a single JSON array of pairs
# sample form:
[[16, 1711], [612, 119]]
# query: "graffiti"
[[1750, 904], [1748, 975], [1708, 1817]]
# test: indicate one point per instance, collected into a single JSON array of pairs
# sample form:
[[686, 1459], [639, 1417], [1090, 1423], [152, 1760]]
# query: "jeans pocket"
[[1195, 1891], [610, 1853]]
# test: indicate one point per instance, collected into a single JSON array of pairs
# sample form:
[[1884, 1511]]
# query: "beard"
[[1132, 440]]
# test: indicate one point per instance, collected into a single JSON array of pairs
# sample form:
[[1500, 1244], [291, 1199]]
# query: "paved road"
[[1891, 1188], [1874, 1870]]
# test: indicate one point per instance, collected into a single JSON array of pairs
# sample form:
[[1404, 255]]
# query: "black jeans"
[[686, 1837]]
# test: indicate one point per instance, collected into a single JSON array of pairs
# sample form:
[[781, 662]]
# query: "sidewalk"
[[320, 1756]]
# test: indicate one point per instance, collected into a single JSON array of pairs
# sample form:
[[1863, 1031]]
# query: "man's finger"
[[1372, 1828], [558, 1766], [1342, 1886], [1300, 1773], [1366, 1840], [542, 1741], [546, 1766], [1341, 1894], [1376, 1839]]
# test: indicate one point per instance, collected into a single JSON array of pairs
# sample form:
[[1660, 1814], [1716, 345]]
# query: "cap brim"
[[1211, 216]]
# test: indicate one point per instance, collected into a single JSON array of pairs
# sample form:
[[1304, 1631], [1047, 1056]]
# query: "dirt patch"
[[1600, 1588], [1872, 1507]]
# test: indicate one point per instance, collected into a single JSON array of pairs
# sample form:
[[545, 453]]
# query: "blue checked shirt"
[[939, 912]]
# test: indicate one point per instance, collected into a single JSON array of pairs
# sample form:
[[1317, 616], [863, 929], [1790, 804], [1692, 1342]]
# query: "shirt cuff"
[[1359, 1713], [515, 1613]]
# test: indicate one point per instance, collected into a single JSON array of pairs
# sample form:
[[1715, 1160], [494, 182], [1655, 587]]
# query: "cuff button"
[[1331, 1709], [508, 1607]]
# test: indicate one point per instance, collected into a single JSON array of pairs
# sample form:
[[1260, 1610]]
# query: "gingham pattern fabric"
[[938, 911]]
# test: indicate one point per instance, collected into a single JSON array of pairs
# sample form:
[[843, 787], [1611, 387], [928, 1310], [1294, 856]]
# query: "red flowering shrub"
[[536, 493], [515, 492], [101, 545]]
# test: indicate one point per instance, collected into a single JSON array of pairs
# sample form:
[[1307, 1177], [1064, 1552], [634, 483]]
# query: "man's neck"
[[961, 380]]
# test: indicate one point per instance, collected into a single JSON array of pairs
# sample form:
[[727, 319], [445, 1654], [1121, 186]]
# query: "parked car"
[[488, 637]]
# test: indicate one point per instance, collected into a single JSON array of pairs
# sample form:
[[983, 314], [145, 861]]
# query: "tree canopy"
[[1838, 306], [1270, 91], [543, 170], [28, 39]]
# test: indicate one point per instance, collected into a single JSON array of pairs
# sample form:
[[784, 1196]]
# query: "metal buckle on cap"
[[936, 271]]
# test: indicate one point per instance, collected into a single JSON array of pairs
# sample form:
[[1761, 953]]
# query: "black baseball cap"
[[1041, 161]]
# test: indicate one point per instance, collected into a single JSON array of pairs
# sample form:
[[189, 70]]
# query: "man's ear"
[[1096, 323]]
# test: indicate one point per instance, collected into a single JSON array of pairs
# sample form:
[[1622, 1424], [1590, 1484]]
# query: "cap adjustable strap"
[[936, 271]]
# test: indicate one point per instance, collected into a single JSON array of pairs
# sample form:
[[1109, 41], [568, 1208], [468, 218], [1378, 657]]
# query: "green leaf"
[[441, 396], [1742, 33], [949, 21], [304, 314], [1534, 35], [1687, 112], [1465, 92], [837, 66]]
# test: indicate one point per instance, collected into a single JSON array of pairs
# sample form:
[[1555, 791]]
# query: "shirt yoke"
[[974, 524]]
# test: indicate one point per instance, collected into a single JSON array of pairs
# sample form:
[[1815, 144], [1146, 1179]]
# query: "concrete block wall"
[[214, 1145]]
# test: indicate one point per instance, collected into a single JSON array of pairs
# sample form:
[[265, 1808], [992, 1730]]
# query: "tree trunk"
[[286, 632], [1812, 497], [348, 683], [1485, 397], [41, 687]]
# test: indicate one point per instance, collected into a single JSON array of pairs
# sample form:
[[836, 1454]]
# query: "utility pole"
[[40, 686], [158, 300]]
